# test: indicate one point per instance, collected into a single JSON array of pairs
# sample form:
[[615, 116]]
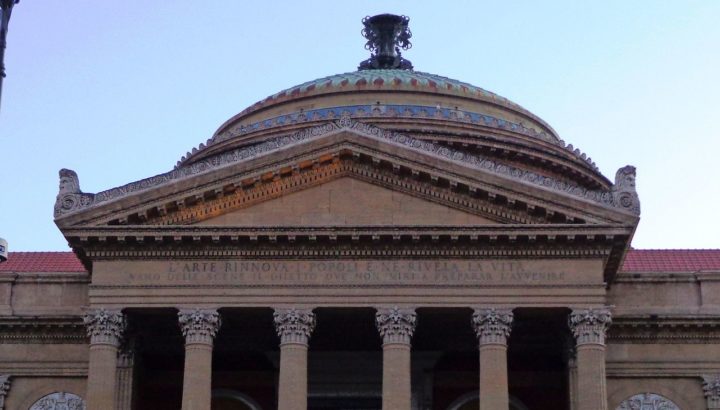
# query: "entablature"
[[45, 329], [665, 329], [506, 241]]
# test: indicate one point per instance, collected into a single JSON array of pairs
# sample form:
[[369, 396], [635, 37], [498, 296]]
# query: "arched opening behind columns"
[[470, 401], [228, 399]]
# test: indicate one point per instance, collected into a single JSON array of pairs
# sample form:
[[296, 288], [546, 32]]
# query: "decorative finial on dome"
[[386, 34]]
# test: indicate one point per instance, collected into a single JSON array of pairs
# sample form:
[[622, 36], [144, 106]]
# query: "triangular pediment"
[[346, 181], [347, 201], [233, 185]]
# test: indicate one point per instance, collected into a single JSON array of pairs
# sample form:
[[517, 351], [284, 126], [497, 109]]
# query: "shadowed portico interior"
[[345, 359]]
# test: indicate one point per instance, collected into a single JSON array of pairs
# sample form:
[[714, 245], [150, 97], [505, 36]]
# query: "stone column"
[[589, 326], [711, 387], [572, 378], [294, 326], [396, 327], [199, 328], [4, 389], [492, 327], [105, 329], [125, 378]]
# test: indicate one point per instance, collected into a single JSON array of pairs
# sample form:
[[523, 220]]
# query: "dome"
[[401, 87], [426, 106]]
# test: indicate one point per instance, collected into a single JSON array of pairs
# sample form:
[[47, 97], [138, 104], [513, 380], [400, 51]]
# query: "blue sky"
[[119, 91]]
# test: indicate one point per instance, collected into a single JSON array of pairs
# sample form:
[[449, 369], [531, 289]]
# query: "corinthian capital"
[[492, 326], [294, 325], [105, 326], [711, 388], [4, 389], [396, 325], [198, 325], [589, 326]]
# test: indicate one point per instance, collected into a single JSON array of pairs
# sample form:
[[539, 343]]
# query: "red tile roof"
[[42, 262], [637, 260], [671, 260]]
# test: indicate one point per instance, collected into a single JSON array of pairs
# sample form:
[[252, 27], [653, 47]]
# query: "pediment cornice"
[[396, 159]]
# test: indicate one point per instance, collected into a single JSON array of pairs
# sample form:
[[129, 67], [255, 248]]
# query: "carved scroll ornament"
[[198, 325], [59, 401], [70, 198], [294, 325], [396, 325], [492, 326], [624, 194], [589, 326], [647, 401], [105, 326]]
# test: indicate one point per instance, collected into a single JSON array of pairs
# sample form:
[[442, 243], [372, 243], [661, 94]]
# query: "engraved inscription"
[[345, 272]]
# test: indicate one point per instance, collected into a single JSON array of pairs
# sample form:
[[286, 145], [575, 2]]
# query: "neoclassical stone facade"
[[380, 239]]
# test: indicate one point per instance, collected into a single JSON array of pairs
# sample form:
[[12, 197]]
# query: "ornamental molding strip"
[[59, 401], [71, 199], [647, 401], [711, 389], [250, 195], [665, 330], [421, 246], [396, 325], [199, 325], [36, 331], [4, 389], [589, 326], [294, 326], [492, 326], [395, 111], [105, 326]]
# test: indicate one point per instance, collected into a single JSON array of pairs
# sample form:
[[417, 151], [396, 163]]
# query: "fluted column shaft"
[[572, 380], [396, 327], [294, 326], [105, 329], [589, 327], [492, 327], [199, 328], [125, 378]]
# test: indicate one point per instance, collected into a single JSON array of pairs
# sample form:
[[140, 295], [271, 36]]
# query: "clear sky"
[[119, 91]]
